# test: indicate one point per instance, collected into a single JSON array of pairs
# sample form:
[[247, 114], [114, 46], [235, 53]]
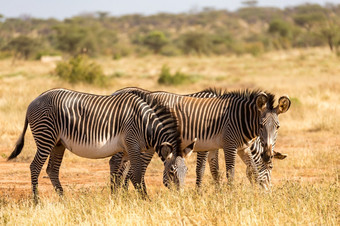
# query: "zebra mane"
[[251, 95], [218, 92], [135, 90], [164, 115]]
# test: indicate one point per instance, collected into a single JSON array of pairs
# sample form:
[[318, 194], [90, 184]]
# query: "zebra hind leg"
[[35, 167], [200, 167], [53, 167]]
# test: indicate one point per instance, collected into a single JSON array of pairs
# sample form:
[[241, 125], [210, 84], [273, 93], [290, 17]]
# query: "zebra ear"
[[166, 150], [189, 149], [261, 101], [278, 155], [284, 104]]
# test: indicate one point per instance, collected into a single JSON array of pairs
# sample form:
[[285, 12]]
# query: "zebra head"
[[264, 171], [175, 169], [269, 122], [258, 171]]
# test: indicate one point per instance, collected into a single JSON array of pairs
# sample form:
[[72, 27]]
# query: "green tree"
[[309, 15], [196, 42], [281, 32], [155, 41], [331, 33], [75, 39], [22, 47]]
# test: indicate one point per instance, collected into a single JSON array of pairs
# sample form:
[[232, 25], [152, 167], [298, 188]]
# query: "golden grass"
[[306, 184], [290, 203]]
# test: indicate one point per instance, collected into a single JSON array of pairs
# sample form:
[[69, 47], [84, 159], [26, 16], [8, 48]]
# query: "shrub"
[[178, 78], [22, 46], [254, 48], [170, 50], [155, 41], [80, 69], [195, 42], [121, 50]]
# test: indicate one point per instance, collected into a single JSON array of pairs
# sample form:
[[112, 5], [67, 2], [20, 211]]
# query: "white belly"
[[101, 150], [205, 145]]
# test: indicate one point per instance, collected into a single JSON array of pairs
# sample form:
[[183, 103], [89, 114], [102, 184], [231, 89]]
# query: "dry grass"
[[306, 184]]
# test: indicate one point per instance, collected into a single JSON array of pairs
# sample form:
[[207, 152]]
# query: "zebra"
[[263, 169], [256, 170], [230, 120], [95, 126]]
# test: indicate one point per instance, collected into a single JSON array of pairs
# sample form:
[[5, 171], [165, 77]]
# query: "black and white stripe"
[[230, 120], [95, 126]]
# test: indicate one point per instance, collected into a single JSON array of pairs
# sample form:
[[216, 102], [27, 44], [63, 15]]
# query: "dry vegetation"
[[306, 184]]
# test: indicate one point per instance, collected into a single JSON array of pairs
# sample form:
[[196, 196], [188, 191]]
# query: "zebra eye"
[[172, 169], [270, 166], [278, 126]]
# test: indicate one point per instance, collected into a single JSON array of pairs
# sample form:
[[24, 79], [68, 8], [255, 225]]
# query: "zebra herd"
[[133, 123]]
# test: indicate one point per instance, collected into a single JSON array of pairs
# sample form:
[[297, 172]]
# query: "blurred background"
[[284, 47], [33, 29]]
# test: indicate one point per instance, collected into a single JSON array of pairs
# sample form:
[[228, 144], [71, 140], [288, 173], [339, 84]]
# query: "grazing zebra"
[[231, 120], [95, 126], [257, 169], [263, 169]]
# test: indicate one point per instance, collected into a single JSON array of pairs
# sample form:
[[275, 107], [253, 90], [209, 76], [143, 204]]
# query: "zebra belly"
[[102, 149], [205, 145]]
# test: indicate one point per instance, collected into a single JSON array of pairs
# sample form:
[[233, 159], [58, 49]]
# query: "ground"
[[307, 180]]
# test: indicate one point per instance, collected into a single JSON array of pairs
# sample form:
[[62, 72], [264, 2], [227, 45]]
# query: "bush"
[[155, 41], [121, 50], [166, 78], [170, 50], [22, 46], [254, 48], [195, 42], [80, 69]]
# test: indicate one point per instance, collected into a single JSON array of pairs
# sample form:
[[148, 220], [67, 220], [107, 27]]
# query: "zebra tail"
[[20, 143]]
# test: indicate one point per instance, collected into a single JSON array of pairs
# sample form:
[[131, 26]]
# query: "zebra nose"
[[270, 150], [265, 157]]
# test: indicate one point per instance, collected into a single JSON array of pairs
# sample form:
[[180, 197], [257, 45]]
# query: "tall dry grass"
[[290, 203], [306, 184]]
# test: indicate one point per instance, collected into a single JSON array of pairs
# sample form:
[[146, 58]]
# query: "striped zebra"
[[95, 126], [257, 169], [263, 169], [230, 120]]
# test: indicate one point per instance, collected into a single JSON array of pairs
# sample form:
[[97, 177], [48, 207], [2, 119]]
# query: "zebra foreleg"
[[252, 170], [53, 167], [115, 177], [124, 172], [136, 166], [200, 167], [214, 166], [146, 159], [230, 159]]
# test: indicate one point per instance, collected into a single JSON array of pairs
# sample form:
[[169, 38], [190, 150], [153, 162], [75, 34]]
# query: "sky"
[[61, 9]]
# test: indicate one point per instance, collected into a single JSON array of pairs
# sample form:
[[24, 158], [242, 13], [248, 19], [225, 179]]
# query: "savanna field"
[[305, 184]]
